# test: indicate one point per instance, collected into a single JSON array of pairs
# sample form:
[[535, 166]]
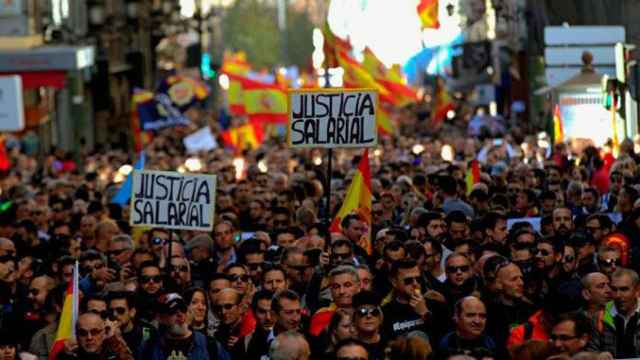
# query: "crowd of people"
[[536, 260]]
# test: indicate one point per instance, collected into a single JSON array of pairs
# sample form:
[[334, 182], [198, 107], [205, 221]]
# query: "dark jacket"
[[113, 348], [604, 336]]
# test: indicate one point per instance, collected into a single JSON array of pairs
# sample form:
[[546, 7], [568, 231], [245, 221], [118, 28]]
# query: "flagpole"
[[328, 196]]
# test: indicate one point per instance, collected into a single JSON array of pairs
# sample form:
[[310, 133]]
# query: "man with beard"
[[570, 334], [460, 280], [562, 222], [548, 259], [174, 339], [256, 345], [585, 246], [224, 252], [496, 232], [123, 309], [151, 283], [470, 318]]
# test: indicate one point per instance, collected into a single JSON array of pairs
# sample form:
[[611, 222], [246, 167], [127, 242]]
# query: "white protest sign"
[[201, 140], [172, 200], [11, 103], [331, 118]]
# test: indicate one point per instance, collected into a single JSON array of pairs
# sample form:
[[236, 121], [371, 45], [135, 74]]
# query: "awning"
[[36, 79]]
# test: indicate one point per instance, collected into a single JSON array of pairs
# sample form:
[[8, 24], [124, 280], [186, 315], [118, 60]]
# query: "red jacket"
[[534, 326]]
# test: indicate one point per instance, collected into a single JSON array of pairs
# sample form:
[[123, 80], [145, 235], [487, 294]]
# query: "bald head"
[[290, 345], [7, 247], [90, 331], [39, 289], [589, 280]]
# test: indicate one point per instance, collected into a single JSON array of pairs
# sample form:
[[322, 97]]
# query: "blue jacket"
[[200, 349]]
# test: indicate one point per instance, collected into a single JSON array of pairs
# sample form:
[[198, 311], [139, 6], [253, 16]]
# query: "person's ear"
[[584, 339], [586, 294], [132, 313]]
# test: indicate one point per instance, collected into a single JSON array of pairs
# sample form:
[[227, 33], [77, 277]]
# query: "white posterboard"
[[173, 200], [201, 140], [332, 118], [11, 103]]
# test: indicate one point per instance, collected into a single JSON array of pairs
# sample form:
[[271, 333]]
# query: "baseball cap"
[[172, 302]]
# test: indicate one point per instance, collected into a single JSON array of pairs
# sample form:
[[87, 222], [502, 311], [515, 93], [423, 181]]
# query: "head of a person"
[[570, 334], [549, 253], [458, 224], [8, 274], [458, 269], [495, 227], [351, 349], [595, 225], [432, 254], [626, 198], [353, 227], [470, 317], [7, 247], [90, 331], [406, 278], [150, 278], [297, 266], [261, 306], [172, 316], [105, 230], [562, 221], [200, 247], [289, 345], [280, 218], [433, 223], [608, 259], [157, 239], [122, 308], [509, 281], [215, 283], [569, 260], [9, 344], [39, 289], [239, 277], [226, 307], [181, 271], [366, 277], [625, 290], [345, 283], [341, 251], [287, 309], [367, 315], [584, 245], [252, 255], [591, 199], [223, 234], [341, 326], [274, 279], [120, 249], [596, 289]]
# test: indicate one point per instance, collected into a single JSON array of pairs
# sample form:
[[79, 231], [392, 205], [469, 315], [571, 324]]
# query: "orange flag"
[[358, 200], [428, 12], [68, 318]]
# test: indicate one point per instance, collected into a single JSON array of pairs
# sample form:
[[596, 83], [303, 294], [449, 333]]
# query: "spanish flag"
[[332, 46], [236, 67], [140, 137], [473, 175], [264, 102], [428, 13], [245, 136], [383, 121], [558, 129], [443, 103], [356, 76], [358, 200], [68, 318], [401, 93]]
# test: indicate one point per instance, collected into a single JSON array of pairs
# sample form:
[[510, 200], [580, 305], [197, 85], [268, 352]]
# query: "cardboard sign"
[[172, 200], [201, 140], [332, 118]]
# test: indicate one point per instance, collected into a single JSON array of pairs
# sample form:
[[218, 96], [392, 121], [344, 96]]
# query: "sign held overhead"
[[172, 200], [332, 118]]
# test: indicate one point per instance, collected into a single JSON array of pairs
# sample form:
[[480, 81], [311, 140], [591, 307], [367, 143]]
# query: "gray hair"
[[122, 238], [345, 269], [289, 345], [628, 272]]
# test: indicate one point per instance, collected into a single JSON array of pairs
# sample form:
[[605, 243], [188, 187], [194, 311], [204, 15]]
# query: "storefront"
[[57, 104]]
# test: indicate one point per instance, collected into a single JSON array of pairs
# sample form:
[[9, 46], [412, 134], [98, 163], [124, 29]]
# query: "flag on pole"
[[245, 136], [473, 175], [383, 121], [69, 316], [122, 196], [428, 13], [264, 102], [615, 141], [358, 200], [356, 76], [443, 103], [402, 94], [236, 67], [332, 46], [558, 129]]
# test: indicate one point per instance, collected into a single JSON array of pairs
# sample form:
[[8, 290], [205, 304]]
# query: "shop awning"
[[36, 79]]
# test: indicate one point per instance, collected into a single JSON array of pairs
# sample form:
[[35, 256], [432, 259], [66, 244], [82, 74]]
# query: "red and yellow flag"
[[358, 200], [264, 102], [383, 121], [558, 129], [250, 135], [332, 46], [236, 67], [68, 318], [401, 94], [428, 13], [473, 175], [443, 103], [140, 137]]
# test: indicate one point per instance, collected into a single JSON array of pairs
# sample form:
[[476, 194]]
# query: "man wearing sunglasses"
[[93, 342], [150, 286], [367, 320], [608, 259], [548, 257], [408, 310], [133, 331], [226, 307], [180, 273]]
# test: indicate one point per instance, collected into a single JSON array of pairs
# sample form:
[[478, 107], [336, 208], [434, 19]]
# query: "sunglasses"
[[92, 332], [364, 312], [157, 240], [243, 278], [104, 314], [543, 252], [117, 252], [254, 266], [118, 311], [411, 280], [180, 268], [219, 308], [155, 279], [609, 262], [454, 269], [569, 258]]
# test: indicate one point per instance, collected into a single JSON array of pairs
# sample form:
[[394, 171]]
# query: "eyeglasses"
[[236, 277], [364, 312], [179, 268], [255, 266], [561, 337], [609, 262], [118, 310], [146, 279], [280, 222], [543, 252], [410, 280], [569, 258], [220, 307], [92, 332], [454, 269], [343, 256], [298, 268], [157, 240], [117, 252], [104, 314]]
